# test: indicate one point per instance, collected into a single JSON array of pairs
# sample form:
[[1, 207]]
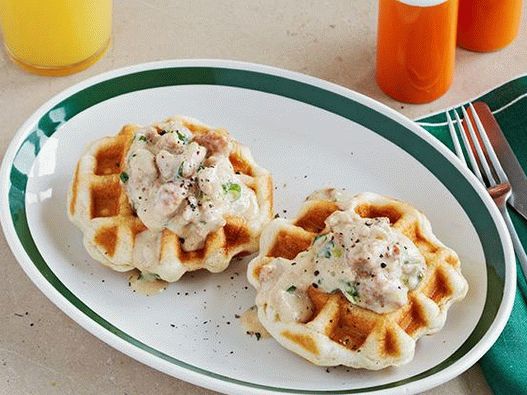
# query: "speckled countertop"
[[42, 351]]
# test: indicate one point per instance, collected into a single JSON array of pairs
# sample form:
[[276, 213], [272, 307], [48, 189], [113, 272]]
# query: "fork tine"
[[455, 139], [488, 146], [477, 146], [471, 158]]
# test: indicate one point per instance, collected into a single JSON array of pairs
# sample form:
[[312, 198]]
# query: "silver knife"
[[508, 160]]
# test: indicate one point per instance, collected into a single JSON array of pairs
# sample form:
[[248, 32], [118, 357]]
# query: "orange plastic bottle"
[[416, 44], [488, 25]]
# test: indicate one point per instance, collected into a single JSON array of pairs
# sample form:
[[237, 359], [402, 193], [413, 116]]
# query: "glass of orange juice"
[[488, 25], [56, 37], [416, 43]]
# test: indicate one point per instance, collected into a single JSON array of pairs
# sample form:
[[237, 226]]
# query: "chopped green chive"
[[142, 138], [145, 276], [233, 190], [182, 137], [180, 170], [352, 292], [337, 252], [124, 177], [326, 251], [318, 237], [291, 289]]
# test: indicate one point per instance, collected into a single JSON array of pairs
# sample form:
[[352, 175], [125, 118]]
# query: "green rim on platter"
[[346, 107]]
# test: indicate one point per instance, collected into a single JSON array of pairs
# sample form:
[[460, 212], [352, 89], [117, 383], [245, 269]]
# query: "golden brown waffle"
[[99, 206], [339, 332]]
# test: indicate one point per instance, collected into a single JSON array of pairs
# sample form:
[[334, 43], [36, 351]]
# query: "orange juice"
[[56, 36], [488, 25], [416, 44]]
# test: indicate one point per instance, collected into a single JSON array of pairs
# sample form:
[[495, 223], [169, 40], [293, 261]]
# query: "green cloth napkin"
[[505, 365]]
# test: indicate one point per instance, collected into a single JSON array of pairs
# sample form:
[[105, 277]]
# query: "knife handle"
[[518, 247], [507, 157]]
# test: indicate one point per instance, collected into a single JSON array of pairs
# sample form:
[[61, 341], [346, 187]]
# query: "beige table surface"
[[45, 352]]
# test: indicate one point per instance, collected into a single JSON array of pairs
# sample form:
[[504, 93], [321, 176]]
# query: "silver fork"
[[495, 179]]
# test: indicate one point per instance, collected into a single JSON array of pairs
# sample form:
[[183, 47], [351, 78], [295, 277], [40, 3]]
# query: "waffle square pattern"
[[115, 235], [334, 325]]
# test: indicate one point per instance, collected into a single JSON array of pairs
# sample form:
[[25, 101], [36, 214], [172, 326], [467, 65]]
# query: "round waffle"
[[339, 332], [99, 206]]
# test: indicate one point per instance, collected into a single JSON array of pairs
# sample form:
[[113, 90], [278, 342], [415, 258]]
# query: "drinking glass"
[[56, 37]]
